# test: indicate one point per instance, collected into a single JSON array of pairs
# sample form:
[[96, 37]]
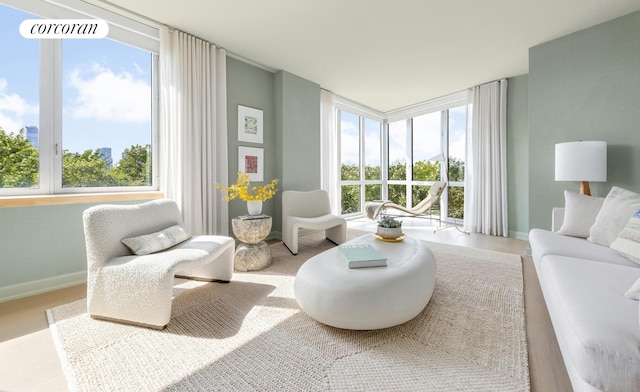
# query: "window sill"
[[49, 200]]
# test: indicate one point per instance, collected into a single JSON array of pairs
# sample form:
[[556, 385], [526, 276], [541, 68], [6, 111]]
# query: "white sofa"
[[584, 286], [135, 285]]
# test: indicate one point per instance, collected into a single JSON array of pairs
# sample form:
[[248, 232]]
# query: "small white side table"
[[252, 253]]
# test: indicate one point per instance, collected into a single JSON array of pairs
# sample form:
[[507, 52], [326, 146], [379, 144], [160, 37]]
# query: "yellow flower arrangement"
[[243, 190]]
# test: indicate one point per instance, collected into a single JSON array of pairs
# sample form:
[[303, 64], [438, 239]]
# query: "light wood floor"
[[29, 361]]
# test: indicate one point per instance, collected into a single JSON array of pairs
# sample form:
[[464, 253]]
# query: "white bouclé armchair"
[[309, 210], [138, 289]]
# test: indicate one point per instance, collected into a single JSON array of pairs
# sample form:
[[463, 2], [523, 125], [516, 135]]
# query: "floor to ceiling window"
[[360, 161], [76, 115], [399, 160]]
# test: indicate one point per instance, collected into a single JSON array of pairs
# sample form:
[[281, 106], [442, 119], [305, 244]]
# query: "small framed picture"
[[251, 161], [249, 124]]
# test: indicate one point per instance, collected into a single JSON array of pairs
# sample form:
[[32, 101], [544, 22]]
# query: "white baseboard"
[[15, 291]]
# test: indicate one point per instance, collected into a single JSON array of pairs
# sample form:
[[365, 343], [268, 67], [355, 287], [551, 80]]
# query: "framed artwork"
[[249, 124], [251, 161]]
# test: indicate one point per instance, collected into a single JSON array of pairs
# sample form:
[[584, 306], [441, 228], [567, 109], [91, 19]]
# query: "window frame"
[[442, 105], [363, 114], [123, 30]]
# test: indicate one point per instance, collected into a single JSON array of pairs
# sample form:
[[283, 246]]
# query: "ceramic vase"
[[254, 207]]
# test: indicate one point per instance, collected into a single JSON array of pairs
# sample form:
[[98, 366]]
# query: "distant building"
[[106, 155], [33, 136]]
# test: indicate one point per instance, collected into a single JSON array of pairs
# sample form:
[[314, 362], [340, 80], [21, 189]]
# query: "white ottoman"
[[367, 298]]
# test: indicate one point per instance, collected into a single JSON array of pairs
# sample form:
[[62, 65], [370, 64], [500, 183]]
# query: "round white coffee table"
[[367, 298]]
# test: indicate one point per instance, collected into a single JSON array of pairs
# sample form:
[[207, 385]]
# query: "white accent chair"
[[135, 289], [309, 210]]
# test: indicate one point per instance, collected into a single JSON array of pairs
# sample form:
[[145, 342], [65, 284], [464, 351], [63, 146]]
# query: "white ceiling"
[[385, 54]]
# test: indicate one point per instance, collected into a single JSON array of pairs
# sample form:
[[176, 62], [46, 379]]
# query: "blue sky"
[[426, 138], [106, 89]]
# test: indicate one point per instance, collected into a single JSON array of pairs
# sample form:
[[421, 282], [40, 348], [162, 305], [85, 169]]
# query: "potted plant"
[[253, 195], [389, 227]]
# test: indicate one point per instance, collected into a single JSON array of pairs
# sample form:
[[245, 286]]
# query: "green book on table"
[[359, 256]]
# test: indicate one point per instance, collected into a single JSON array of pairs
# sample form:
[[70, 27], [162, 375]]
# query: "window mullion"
[[384, 161], [49, 78], [362, 163], [57, 116], [444, 165], [409, 159]]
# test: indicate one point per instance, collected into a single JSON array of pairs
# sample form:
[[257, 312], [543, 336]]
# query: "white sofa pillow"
[[628, 242], [618, 207], [155, 242], [580, 213]]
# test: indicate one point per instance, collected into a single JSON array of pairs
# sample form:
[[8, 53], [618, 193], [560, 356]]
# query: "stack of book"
[[360, 256]]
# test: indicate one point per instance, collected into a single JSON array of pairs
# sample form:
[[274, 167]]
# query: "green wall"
[[291, 115], [300, 132], [518, 156], [251, 86], [584, 86]]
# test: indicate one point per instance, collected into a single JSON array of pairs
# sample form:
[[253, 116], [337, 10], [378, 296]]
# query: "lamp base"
[[584, 188]]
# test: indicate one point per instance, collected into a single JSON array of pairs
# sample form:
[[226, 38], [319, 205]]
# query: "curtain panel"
[[486, 180], [329, 149], [193, 129]]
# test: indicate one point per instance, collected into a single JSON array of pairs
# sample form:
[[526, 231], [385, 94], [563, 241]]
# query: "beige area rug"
[[250, 335]]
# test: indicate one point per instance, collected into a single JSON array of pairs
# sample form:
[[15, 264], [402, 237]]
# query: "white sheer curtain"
[[486, 180], [329, 147], [193, 129]]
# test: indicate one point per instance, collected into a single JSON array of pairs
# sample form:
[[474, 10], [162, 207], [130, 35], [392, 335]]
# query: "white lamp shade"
[[581, 161]]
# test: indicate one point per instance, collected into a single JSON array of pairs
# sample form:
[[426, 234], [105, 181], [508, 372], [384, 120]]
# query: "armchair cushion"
[[155, 242]]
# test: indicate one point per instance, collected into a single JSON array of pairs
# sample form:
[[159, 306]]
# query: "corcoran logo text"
[[64, 28]]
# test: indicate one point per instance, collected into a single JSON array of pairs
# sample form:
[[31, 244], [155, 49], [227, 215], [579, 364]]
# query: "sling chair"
[[379, 207]]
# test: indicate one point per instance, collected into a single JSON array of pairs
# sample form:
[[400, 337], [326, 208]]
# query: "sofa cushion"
[[544, 242], [597, 326], [155, 242], [628, 242], [580, 213], [618, 207]]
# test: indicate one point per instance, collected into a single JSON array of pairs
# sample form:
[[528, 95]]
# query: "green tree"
[[456, 194], [134, 168], [19, 165], [350, 172], [350, 195], [426, 171], [398, 194], [372, 173], [87, 169], [19, 161], [398, 170], [456, 170]]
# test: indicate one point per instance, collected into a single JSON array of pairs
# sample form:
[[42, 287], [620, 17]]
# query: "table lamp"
[[582, 161]]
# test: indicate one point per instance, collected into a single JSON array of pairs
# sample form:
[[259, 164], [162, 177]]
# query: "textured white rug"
[[250, 335]]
